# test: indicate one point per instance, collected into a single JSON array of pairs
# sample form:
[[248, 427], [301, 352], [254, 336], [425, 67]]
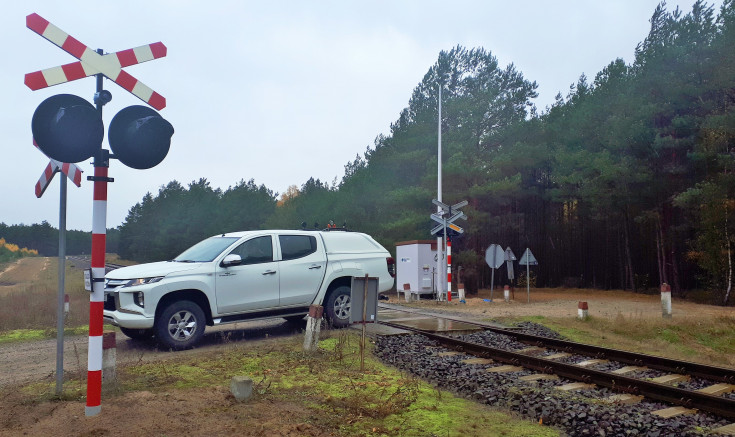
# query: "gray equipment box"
[[358, 295]]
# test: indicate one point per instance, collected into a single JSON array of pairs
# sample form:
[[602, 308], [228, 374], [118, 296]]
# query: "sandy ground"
[[555, 302]]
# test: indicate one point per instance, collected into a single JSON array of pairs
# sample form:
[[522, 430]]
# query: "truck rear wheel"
[[338, 306], [180, 325]]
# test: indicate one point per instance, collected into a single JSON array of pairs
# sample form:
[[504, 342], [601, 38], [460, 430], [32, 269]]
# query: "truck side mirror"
[[231, 260]]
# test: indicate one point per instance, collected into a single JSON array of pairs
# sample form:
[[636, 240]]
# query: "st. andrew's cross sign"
[[448, 216], [90, 63], [72, 171]]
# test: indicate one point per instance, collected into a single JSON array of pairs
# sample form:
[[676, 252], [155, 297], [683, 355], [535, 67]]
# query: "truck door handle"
[[315, 266], [269, 272]]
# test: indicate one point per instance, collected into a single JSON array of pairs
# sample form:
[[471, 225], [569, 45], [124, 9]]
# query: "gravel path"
[[34, 360]]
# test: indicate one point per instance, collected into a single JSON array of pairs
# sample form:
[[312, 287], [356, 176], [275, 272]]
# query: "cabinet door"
[[303, 264], [252, 285]]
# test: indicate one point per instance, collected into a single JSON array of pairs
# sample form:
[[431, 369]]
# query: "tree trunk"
[[729, 258], [676, 288], [622, 265], [659, 250], [628, 259]]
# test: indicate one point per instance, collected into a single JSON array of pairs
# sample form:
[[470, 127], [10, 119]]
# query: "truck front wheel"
[[180, 325], [338, 306]]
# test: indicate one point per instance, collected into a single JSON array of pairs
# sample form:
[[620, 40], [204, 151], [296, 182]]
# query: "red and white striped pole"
[[97, 297], [449, 270]]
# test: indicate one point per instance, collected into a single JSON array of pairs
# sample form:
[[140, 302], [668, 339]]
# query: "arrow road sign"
[[73, 172], [91, 63]]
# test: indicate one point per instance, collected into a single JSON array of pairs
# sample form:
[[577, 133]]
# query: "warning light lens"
[[391, 266]]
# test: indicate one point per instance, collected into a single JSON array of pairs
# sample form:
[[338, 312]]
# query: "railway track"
[[547, 355], [85, 262]]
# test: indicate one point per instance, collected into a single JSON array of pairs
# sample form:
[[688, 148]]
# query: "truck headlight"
[[143, 281]]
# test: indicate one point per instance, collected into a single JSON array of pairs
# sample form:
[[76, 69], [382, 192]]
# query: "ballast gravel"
[[578, 413]]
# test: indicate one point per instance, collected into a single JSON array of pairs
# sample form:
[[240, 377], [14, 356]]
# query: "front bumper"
[[121, 310], [132, 321]]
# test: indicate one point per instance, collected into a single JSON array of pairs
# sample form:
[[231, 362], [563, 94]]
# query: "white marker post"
[[666, 300]]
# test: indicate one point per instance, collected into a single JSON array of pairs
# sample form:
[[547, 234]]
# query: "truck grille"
[[110, 302], [113, 284]]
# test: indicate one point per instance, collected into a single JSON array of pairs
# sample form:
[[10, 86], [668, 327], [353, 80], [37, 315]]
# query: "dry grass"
[[29, 298], [619, 319], [706, 340]]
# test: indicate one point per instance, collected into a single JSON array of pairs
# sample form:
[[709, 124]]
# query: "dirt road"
[[23, 271], [35, 360]]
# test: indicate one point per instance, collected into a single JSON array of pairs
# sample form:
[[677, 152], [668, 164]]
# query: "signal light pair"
[[69, 129]]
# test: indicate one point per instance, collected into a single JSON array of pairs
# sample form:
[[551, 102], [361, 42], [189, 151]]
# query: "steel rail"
[[705, 371], [690, 399]]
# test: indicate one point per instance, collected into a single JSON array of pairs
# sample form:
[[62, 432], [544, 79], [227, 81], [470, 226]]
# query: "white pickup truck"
[[240, 276]]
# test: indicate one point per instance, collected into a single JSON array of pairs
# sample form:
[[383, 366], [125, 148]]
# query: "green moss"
[[720, 338], [22, 335], [669, 335], [19, 335], [376, 401]]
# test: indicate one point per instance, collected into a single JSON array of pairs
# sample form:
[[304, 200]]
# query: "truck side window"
[[255, 251], [296, 246]]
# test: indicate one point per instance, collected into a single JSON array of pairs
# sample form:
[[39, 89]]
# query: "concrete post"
[[506, 293], [241, 388], [109, 357], [582, 310], [460, 291], [666, 300], [313, 326]]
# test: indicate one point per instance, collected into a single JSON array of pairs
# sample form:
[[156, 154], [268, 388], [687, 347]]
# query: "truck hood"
[[150, 270]]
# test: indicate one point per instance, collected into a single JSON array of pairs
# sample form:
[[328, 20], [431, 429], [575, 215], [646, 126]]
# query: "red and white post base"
[[582, 310]]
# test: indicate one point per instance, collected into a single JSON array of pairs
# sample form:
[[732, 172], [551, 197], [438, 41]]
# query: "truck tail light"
[[391, 266]]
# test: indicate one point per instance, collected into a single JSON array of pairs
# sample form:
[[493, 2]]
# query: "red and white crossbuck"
[[90, 63], [72, 171]]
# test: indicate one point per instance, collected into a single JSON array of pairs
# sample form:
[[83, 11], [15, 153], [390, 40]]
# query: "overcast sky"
[[281, 91]]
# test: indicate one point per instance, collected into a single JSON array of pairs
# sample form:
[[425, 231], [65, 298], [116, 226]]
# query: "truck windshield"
[[205, 251]]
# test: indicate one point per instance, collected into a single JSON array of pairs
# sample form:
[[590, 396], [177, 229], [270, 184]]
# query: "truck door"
[[253, 284], [303, 264]]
